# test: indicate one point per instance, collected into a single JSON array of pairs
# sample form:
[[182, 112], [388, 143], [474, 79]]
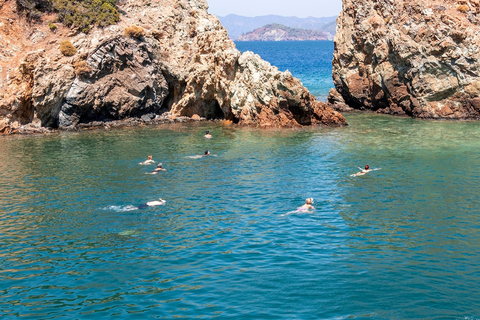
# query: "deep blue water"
[[402, 242], [310, 61]]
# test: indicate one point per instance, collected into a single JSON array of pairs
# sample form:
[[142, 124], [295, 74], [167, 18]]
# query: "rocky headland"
[[405, 57], [278, 32], [179, 63], [237, 25]]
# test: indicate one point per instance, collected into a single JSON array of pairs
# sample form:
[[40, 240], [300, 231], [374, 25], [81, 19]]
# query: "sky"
[[298, 8]]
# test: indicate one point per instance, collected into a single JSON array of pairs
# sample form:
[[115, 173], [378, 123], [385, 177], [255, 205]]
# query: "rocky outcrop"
[[185, 65], [120, 79], [278, 32], [402, 57]]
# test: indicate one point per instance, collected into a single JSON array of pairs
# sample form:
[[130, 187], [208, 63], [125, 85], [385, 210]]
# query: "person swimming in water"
[[148, 161], [307, 206], [157, 169], [207, 135], [199, 156], [158, 202], [364, 171]]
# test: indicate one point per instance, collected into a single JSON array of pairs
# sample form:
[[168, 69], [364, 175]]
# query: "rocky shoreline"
[[157, 120], [162, 57], [128, 122]]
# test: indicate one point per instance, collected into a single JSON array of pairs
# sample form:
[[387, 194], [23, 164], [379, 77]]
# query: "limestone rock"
[[184, 66], [420, 59], [122, 80]]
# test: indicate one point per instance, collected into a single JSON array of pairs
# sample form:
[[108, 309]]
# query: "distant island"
[[278, 32], [238, 25]]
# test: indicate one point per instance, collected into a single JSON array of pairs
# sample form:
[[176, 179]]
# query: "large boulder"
[[420, 59]]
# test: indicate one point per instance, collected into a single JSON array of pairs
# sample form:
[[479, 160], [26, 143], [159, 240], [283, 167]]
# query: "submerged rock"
[[408, 58], [181, 65]]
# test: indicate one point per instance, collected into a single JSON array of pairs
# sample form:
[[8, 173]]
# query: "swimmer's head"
[[207, 152], [207, 132], [159, 165], [309, 201], [367, 167], [150, 157]]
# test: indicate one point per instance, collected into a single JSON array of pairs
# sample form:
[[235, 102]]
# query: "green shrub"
[[67, 48], [81, 14], [52, 26], [84, 14], [134, 32], [33, 8]]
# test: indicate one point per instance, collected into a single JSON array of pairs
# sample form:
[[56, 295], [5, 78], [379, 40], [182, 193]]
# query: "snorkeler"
[[207, 135], [148, 161], [158, 202], [307, 206], [157, 169]]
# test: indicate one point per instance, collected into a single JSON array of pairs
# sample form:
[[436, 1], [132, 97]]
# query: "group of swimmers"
[[160, 168], [308, 206]]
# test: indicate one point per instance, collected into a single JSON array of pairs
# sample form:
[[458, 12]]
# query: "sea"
[[400, 242]]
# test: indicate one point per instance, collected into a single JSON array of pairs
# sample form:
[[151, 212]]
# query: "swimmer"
[[307, 206], [364, 171], [207, 135], [158, 202], [157, 169], [148, 161], [199, 156]]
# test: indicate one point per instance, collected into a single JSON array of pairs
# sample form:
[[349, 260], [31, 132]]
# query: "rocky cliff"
[[278, 32], [407, 57], [183, 66]]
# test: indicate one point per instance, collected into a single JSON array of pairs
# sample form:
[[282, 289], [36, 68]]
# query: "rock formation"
[[278, 32], [184, 66], [406, 57]]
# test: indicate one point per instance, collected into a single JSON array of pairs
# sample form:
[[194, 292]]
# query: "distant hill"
[[238, 25], [278, 32]]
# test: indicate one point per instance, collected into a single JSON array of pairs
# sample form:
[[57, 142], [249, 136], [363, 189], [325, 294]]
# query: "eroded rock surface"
[[184, 66], [406, 57]]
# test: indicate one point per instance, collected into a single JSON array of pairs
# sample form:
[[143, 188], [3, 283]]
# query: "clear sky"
[[298, 8]]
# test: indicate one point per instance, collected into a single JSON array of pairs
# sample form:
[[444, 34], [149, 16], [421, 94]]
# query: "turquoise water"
[[402, 242], [310, 61]]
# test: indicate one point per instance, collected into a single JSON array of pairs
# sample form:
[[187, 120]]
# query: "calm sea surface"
[[402, 242]]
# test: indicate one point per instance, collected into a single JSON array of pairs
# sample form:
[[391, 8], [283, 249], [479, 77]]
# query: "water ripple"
[[397, 243]]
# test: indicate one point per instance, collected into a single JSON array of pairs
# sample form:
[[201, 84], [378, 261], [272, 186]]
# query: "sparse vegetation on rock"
[[134, 32], [82, 68], [52, 26], [81, 14], [67, 48]]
